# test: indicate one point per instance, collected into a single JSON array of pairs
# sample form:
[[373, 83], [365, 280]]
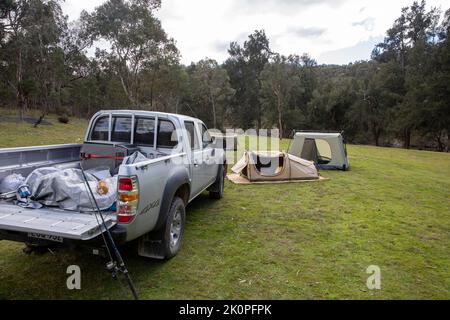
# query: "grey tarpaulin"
[[11, 183], [134, 158], [65, 188]]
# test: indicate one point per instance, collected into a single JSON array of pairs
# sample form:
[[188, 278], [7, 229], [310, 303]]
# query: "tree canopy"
[[400, 97]]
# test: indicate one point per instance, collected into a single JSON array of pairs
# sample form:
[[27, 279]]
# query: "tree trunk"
[[447, 148], [280, 117], [19, 93], [439, 142], [376, 135], [214, 109], [407, 138], [127, 92], [89, 102], [258, 120], [152, 88], [280, 125], [38, 122]]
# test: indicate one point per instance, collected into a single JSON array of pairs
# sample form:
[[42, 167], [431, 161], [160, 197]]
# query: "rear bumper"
[[119, 234]]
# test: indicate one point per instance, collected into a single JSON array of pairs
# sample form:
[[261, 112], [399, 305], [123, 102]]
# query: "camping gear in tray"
[[327, 150], [9, 186], [66, 188], [273, 166]]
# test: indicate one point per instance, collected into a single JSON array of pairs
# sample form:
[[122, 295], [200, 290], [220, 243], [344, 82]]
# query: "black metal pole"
[[117, 254]]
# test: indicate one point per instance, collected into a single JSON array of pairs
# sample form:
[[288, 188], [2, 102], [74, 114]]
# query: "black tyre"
[[219, 185], [173, 229]]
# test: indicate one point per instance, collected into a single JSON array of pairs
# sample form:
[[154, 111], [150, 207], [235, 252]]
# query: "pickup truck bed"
[[49, 221]]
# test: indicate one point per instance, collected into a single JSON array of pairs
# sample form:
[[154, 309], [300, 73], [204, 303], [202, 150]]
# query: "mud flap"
[[151, 246], [215, 187]]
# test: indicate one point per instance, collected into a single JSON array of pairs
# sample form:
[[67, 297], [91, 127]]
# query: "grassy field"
[[14, 134], [294, 241]]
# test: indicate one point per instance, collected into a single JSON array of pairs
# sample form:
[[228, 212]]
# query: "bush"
[[63, 119]]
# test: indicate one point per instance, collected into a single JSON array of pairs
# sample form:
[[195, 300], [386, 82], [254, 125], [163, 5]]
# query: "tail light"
[[128, 199]]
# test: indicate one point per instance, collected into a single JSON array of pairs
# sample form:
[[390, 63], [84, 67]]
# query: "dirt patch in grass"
[[27, 120]]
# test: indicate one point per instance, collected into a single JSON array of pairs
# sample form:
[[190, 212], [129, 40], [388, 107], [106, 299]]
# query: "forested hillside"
[[400, 97]]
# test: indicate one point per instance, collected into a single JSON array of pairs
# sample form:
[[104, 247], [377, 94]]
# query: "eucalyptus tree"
[[278, 80], [244, 67], [13, 14], [136, 38], [411, 43], [211, 91], [31, 31]]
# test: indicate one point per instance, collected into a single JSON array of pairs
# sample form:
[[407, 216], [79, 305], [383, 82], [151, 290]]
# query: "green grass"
[[24, 134], [294, 241]]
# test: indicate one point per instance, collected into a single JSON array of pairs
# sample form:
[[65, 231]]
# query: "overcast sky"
[[331, 31]]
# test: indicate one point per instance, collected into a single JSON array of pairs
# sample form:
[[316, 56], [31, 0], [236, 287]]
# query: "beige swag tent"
[[274, 166]]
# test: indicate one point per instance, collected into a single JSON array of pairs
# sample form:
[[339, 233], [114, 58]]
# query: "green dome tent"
[[327, 150]]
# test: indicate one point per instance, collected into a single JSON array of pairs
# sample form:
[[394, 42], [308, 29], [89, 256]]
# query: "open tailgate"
[[53, 222]]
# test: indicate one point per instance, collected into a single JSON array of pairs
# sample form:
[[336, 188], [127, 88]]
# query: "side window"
[[206, 137], [192, 133], [144, 131], [121, 129], [167, 135], [101, 129]]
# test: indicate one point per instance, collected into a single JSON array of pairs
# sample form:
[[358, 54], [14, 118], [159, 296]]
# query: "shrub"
[[63, 119]]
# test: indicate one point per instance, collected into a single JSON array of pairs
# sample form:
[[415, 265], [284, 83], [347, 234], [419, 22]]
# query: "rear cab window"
[[121, 129], [141, 133], [100, 130]]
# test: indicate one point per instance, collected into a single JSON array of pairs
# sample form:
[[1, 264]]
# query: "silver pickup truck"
[[181, 162]]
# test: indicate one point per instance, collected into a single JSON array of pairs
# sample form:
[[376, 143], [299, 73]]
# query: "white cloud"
[[73, 8], [204, 28]]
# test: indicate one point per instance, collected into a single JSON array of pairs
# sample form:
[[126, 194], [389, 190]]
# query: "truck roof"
[[146, 112]]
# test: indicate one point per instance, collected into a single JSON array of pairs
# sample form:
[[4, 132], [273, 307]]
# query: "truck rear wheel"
[[174, 228]]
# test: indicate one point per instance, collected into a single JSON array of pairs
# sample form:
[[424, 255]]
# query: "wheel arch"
[[179, 185]]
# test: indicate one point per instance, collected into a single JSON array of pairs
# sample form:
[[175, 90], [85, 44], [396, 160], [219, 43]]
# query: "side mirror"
[[208, 140]]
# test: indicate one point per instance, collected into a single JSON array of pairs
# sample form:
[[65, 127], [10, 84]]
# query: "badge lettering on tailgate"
[[45, 237]]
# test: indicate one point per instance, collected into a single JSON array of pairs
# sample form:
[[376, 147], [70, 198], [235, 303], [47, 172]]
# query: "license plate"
[[45, 237]]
